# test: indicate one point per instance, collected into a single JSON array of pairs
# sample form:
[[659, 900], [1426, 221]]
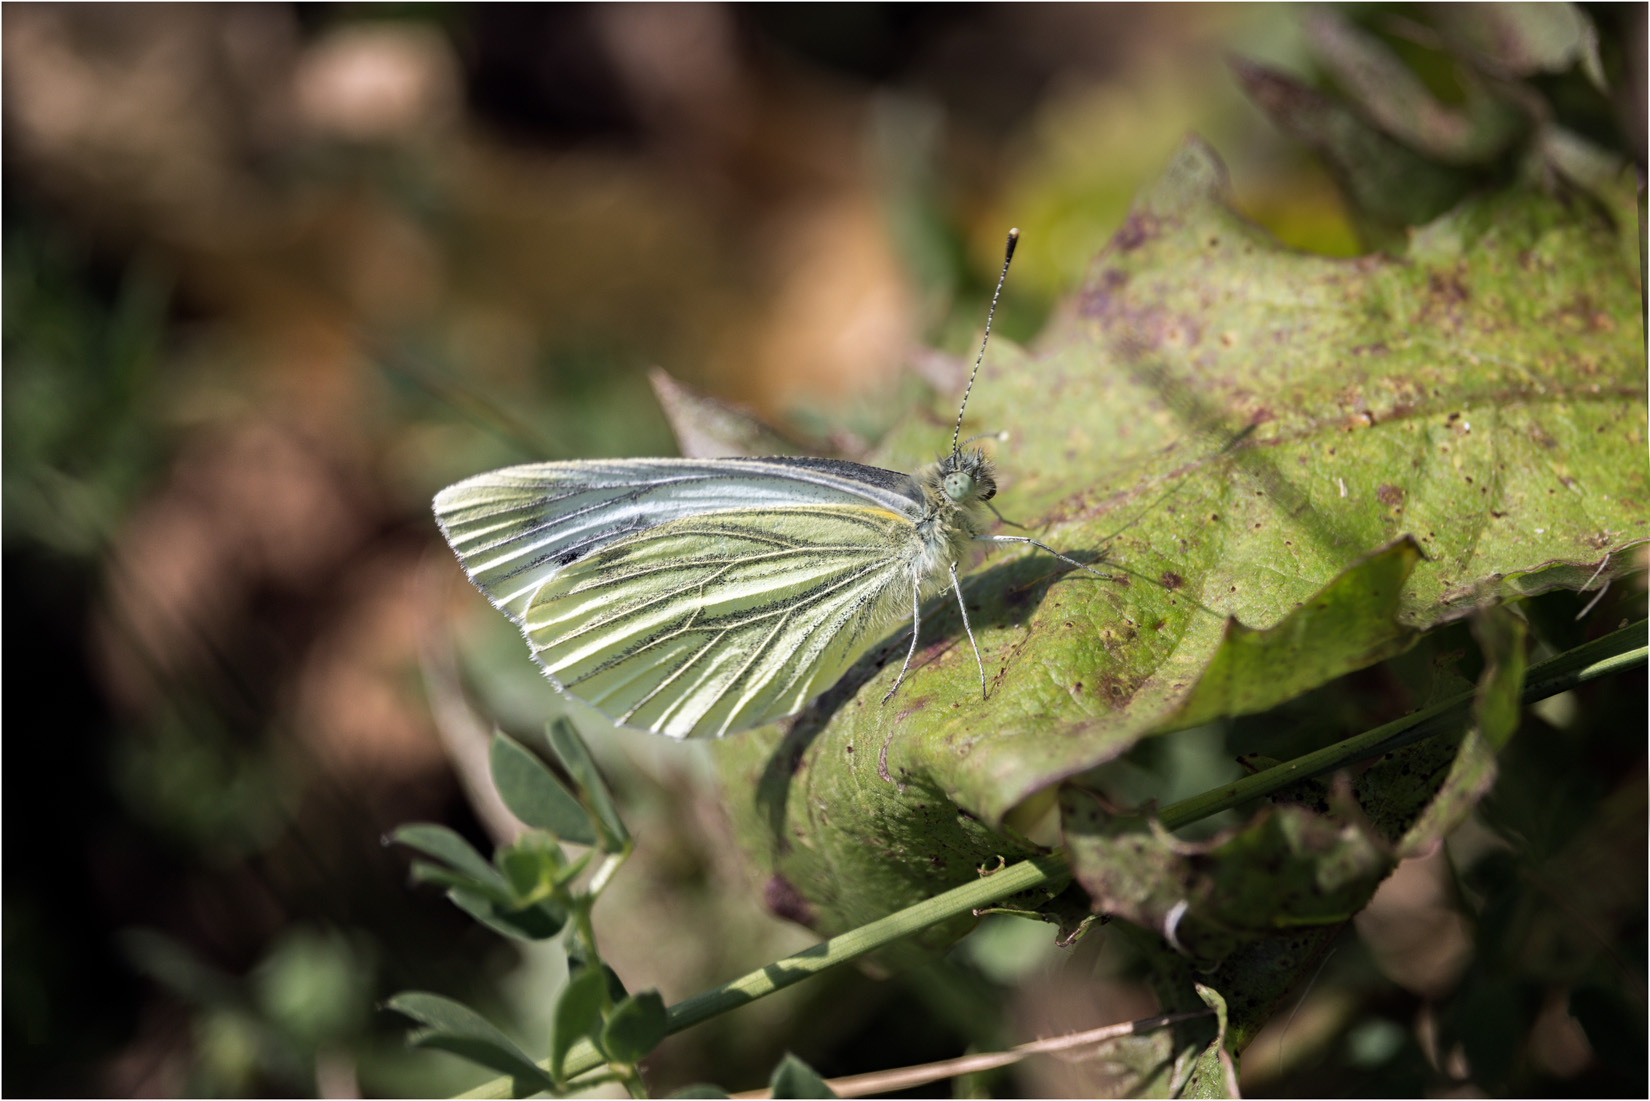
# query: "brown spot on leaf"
[[1171, 580], [1390, 495], [1100, 300], [1118, 689], [1447, 288]]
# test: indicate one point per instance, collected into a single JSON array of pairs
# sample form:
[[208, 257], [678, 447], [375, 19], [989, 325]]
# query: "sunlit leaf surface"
[[1291, 463]]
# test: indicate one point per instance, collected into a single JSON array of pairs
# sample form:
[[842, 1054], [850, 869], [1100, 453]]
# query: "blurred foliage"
[[273, 274]]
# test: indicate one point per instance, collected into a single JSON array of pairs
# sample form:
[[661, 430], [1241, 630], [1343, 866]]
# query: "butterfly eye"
[[958, 485]]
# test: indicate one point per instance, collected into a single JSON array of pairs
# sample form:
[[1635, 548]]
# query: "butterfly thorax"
[[954, 492]]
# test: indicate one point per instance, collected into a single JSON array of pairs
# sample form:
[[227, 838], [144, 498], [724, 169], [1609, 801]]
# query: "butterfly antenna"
[[1008, 254]]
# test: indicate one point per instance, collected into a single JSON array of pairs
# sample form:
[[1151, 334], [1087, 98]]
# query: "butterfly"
[[700, 597]]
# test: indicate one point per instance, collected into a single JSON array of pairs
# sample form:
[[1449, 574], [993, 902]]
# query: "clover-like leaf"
[[533, 793], [636, 1026], [577, 1016], [536, 921], [570, 749], [454, 1027], [534, 866], [447, 846]]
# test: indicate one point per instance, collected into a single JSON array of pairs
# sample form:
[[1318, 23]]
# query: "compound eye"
[[958, 485], [990, 492]]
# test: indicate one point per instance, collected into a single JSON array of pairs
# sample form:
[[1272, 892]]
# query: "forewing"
[[715, 623], [515, 529]]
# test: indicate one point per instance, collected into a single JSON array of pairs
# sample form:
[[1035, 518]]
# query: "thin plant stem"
[[1048, 871], [1612, 653]]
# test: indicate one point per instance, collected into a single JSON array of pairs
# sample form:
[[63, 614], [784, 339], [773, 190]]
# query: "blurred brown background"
[[274, 274]]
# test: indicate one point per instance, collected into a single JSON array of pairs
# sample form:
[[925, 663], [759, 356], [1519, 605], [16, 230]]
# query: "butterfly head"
[[967, 476]]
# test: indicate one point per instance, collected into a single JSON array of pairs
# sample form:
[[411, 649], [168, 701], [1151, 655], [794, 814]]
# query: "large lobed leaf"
[[1292, 464]]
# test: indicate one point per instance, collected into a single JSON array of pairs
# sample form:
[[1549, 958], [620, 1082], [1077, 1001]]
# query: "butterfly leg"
[[1001, 519], [1051, 550], [956, 587], [916, 625]]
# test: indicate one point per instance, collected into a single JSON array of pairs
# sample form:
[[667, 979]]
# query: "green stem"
[[1039, 871], [585, 929], [1615, 652]]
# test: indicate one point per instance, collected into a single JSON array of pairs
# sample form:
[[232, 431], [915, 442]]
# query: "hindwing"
[[691, 597], [717, 623]]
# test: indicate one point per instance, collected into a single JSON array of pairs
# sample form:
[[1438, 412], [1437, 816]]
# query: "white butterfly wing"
[[690, 597]]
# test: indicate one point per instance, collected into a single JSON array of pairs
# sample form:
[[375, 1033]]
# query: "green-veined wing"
[[691, 597]]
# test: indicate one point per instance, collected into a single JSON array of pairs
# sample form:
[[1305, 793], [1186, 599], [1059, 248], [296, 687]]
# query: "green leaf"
[[1445, 400], [636, 1026], [1522, 39], [794, 1078], [177, 967], [577, 1016], [453, 1027], [699, 1090], [570, 750], [1418, 795], [1328, 636], [1479, 130], [534, 795], [426, 873], [539, 921], [1214, 1074], [533, 866], [1391, 186], [480, 889], [447, 846]]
